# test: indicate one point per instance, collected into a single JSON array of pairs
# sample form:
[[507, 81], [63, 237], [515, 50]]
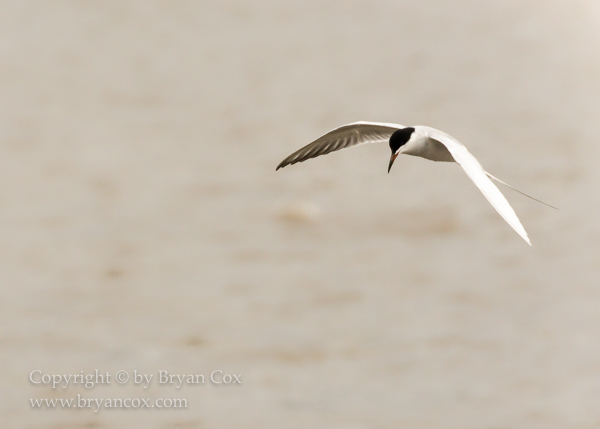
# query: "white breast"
[[420, 144]]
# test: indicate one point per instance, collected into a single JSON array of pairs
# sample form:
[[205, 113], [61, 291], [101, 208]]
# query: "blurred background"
[[143, 226]]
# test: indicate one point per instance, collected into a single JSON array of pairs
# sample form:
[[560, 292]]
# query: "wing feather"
[[478, 175], [346, 136]]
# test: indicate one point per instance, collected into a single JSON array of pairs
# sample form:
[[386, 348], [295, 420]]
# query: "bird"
[[423, 141]]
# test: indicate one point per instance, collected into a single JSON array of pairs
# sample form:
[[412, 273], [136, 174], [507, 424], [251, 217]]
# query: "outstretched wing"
[[479, 176], [343, 137]]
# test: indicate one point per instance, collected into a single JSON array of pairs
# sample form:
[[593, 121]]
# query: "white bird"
[[422, 141]]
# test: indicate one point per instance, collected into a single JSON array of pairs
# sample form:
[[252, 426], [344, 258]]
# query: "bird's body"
[[422, 141], [421, 145]]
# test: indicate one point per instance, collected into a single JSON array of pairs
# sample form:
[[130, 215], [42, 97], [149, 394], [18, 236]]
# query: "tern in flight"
[[422, 141]]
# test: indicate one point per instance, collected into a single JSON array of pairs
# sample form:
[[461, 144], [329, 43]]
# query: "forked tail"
[[515, 189]]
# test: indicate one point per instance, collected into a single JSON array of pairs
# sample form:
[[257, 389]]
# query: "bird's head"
[[397, 140]]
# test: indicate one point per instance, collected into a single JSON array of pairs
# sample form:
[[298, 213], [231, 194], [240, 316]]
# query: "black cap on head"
[[400, 137]]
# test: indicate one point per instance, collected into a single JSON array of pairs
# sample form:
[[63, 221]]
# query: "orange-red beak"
[[392, 159]]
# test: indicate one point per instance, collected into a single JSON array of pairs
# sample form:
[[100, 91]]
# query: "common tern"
[[426, 142]]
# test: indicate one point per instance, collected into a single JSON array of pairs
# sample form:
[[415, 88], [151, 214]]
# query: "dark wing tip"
[[282, 164]]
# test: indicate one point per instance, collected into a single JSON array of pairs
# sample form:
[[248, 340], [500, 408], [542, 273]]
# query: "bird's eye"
[[400, 137]]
